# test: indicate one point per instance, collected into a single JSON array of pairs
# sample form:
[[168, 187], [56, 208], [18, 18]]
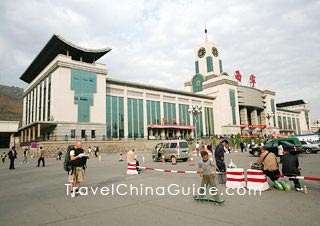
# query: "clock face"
[[215, 51], [201, 52]]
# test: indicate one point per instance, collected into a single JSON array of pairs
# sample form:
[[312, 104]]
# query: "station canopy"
[[57, 45]]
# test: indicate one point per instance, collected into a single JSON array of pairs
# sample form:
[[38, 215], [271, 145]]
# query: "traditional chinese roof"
[[55, 46], [291, 103]]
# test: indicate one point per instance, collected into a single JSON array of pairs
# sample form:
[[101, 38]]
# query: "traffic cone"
[[120, 157], [163, 160], [191, 161], [305, 190], [143, 159], [100, 158]]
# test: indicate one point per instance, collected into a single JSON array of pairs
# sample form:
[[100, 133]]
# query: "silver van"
[[171, 148]]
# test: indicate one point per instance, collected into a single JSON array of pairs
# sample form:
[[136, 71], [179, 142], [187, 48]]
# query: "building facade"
[[69, 97]]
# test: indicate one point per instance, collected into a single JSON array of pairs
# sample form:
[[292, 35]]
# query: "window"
[[220, 65], [209, 64], [233, 106], [173, 145], [93, 134], [184, 145], [83, 133], [197, 67], [73, 133]]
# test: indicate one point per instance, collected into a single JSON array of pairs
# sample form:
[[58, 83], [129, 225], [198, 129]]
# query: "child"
[[207, 171], [3, 156]]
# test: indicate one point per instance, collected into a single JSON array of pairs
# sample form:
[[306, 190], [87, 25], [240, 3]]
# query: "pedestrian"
[[25, 156], [197, 148], [12, 154], [270, 166], [280, 151], [79, 160], [219, 156], [290, 167], [132, 157], [3, 157], [242, 146], [59, 155], [96, 151], [41, 157], [89, 151], [207, 170]]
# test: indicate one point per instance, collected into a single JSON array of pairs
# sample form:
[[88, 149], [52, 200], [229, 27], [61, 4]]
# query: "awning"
[[152, 126], [253, 126]]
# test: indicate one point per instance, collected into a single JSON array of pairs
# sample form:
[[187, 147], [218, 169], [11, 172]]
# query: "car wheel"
[[256, 153], [308, 150]]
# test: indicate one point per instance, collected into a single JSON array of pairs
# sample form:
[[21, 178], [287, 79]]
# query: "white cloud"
[[153, 41]]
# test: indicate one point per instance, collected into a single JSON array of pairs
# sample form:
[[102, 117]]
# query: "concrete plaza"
[[37, 196]]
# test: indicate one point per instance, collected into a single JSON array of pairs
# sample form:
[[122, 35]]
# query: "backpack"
[[67, 165]]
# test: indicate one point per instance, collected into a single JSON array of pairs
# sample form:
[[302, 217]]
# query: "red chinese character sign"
[[252, 80], [238, 76]]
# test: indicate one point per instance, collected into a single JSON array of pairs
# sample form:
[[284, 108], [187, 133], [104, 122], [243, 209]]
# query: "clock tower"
[[207, 58]]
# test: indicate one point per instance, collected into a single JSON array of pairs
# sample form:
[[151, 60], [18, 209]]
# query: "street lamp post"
[[195, 110], [269, 115], [317, 122]]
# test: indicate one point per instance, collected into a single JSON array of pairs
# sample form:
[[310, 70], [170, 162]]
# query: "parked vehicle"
[[171, 148], [273, 144], [309, 147]]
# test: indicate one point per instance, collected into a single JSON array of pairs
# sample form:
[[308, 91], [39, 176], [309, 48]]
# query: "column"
[[254, 117], [29, 134], [244, 116], [33, 132], [39, 131]]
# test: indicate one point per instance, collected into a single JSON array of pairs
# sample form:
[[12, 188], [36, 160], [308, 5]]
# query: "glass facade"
[[280, 122], [84, 85], [294, 124], [196, 64], [285, 126], [115, 117], [49, 98], [209, 64], [135, 118], [198, 123], [289, 123], [208, 113], [153, 112], [220, 66], [184, 114], [273, 109], [169, 110], [44, 100], [233, 106], [40, 102]]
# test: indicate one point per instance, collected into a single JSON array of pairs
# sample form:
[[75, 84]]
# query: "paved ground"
[[37, 196]]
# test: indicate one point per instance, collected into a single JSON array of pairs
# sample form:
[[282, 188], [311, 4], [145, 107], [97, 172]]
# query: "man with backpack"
[[78, 161]]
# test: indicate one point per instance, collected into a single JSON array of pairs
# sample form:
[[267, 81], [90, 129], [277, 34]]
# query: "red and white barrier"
[[301, 177], [235, 178], [132, 168], [256, 180]]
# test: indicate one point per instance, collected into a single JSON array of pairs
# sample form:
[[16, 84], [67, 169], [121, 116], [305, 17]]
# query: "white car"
[[309, 147]]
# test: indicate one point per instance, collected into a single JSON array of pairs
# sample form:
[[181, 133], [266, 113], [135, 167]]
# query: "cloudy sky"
[[153, 41]]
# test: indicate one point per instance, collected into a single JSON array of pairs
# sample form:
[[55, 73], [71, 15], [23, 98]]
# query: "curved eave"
[[55, 46]]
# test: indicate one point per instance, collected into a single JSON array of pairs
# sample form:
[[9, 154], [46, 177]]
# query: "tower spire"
[[205, 32]]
